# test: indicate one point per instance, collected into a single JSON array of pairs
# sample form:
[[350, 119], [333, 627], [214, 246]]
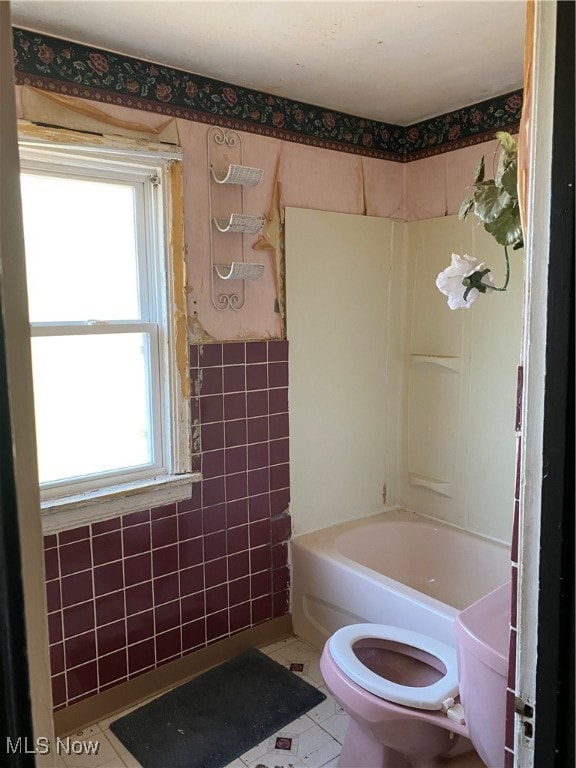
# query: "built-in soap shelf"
[[432, 484], [451, 363], [221, 171], [433, 389]]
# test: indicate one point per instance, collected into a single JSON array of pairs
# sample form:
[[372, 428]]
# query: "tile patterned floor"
[[314, 740]]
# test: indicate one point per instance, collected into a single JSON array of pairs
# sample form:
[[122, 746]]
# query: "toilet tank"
[[482, 641]]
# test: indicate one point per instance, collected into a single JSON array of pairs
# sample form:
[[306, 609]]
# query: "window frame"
[[160, 172]]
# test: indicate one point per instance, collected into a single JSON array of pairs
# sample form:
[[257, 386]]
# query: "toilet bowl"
[[356, 647], [393, 684], [401, 689]]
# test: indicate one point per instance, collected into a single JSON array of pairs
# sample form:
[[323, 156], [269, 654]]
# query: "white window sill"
[[114, 501]]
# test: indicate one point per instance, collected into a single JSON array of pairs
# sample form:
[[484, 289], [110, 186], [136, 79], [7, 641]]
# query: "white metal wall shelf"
[[234, 225]]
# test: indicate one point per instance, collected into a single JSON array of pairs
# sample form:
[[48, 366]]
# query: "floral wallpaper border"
[[78, 70]]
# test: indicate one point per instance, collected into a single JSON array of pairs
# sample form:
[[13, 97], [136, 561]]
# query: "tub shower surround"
[[130, 594]]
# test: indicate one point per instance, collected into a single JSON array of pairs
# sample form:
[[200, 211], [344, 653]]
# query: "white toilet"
[[401, 688]]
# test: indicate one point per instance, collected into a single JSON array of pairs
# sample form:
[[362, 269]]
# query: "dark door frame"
[[15, 705], [554, 732]]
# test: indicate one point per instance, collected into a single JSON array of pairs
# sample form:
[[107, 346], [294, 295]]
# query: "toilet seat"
[[341, 646]]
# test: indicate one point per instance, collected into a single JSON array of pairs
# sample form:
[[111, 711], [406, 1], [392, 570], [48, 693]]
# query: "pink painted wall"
[[319, 179], [436, 186]]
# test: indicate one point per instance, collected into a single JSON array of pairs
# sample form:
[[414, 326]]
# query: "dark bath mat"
[[211, 720]]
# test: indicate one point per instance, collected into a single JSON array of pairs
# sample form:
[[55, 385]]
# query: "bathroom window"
[[108, 404]]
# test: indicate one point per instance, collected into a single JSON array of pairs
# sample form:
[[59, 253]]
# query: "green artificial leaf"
[[482, 184], [466, 207], [505, 162], [479, 172], [508, 143], [500, 168], [509, 179], [506, 229], [495, 201], [490, 202]]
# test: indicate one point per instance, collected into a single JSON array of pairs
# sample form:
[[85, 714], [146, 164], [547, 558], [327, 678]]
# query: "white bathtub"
[[393, 568]]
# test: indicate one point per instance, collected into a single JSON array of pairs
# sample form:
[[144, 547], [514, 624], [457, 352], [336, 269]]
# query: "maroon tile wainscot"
[[129, 594]]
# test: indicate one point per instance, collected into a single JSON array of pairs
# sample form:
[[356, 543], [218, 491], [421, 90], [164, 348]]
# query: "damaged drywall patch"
[[196, 332]]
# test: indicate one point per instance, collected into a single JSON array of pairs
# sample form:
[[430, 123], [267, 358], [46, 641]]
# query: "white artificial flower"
[[450, 281]]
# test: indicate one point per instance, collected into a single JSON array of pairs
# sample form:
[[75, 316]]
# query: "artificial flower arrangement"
[[495, 202]]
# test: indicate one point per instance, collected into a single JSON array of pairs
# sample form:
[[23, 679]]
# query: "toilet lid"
[[341, 646]]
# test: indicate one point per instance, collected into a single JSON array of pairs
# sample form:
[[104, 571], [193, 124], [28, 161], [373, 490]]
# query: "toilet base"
[[361, 748], [382, 734]]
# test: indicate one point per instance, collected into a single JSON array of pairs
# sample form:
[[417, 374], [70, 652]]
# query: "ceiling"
[[398, 61]]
